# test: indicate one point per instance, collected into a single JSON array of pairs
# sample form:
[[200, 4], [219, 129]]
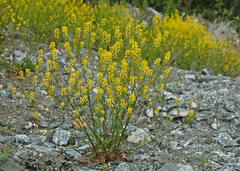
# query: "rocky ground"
[[211, 142]]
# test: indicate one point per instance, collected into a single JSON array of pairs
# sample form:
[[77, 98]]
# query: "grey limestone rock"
[[61, 136]]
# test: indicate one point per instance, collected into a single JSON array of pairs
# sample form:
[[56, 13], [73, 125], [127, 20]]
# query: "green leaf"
[[6, 153]]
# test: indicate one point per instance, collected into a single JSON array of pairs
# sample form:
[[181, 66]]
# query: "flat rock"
[[42, 149], [22, 138], [139, 135], [61, 136]]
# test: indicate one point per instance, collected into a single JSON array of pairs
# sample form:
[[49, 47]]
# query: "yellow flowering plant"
[[111, 26], [191, 45], [101, 101], [131, 65]]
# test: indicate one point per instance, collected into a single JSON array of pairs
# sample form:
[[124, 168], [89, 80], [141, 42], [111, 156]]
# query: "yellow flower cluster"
[[130, 64], [187, 40], [190, 43]]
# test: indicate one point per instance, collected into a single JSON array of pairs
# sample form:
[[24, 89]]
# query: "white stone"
[[190, 77], [139, 135], [149, 112], [182, 112], [194, 105], [214, 126]]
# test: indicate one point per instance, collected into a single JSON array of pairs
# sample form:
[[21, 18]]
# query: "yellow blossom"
[[48, 75], [14, 90], [106, 37], [102, 119], [84, 90], [110, 102], [70, 89], [56, 33], [157, 61], [71, 81], [52, 45], [145, 89], [167, 72], [123, 103], [156, 112], [83, 100], [64, 91], [132, 98], [62, 104], [102, 112], [78, 32], [166, 58], [191, 101], [65, 31], [178, 100], [31, 95], [191, 114], [67, 47], [78, 93], [93, 38], [36, 115], [68, 69], [90, 83], [40, 61], [35, 79], [54, 53], [157, 41], [40, 53], [51, 90], [25, 94], [72, 62], [81, 44], [21, 74], [129, 110], [75, 112]]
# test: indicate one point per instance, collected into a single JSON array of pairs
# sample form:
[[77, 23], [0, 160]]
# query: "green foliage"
[[27, 63], [210, 9], [4, 64], [5, 153]]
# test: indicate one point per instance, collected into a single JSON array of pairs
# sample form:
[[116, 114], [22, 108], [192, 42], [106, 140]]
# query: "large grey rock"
[[73, 154], [207, 71], [4, 93], [22, 138], [131, 128], [139, 135], [154, 12], [6, 139], [224, 138], [37, 139], [61, 136]]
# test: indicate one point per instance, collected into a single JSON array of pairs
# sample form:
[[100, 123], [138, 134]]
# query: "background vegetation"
[[210, 9], [189, 42]]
